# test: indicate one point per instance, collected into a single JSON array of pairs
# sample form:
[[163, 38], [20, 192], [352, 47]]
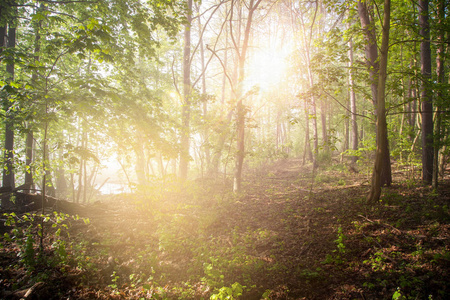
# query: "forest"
[[224, 149]]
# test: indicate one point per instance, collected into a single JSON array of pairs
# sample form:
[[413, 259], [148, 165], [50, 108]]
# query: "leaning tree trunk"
[[375, 190]]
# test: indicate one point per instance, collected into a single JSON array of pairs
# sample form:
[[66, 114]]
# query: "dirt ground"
[[292, 234]]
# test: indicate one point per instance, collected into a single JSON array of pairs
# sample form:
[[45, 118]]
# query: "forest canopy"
[[192, 89]]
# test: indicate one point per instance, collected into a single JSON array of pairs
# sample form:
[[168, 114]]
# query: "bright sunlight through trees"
[[266, 68]]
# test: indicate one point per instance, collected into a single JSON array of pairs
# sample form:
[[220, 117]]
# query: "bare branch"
[[203, 31], [224, 69], [173, 78], [344, 107]]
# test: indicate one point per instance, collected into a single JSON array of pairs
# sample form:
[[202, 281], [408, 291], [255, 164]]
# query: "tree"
[[426, 94], [375, 190], [307, 41], [440, 95], [8, 170], [187, 94], [352, 94], [241, 51], [53, 72], [371, 51]]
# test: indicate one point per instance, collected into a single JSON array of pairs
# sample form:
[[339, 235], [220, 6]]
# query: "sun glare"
[[266, 68]]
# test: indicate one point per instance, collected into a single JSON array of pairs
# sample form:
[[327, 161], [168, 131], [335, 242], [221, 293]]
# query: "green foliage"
[[229, 293], [213, 277], [27, 231], [338, 257], [398, 295], [377, 261], [114, 279]]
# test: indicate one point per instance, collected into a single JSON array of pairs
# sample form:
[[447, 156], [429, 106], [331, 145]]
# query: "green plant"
[[324, 178], [22, 236], [114, 279], [340, 241], [266, 294], [377, 261], [213, 277], [27, 237], [229, 293], [311, 274], [398, 295], [339, 252]]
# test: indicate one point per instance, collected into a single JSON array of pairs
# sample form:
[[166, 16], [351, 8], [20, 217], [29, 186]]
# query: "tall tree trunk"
[[61, 184], [323, 107], [371, 51], [411, 101], [50, 188], [313, 109], [30, 136], [240, 108], [139, 167], [8, 171], [83, 145], [85, 178], [29, 144], [414, 91], [375, 190], [346, 142], [205, 133], [307, 154], [3, 35], [352, 93], [323, 117], [440, 72], [186, 109], [213, 168], [307, 39], [426, 96]]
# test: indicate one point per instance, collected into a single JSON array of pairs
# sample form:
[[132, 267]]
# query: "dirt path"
[[277, 233]]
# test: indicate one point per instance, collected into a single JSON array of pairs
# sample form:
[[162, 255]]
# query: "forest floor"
[[291, 234]]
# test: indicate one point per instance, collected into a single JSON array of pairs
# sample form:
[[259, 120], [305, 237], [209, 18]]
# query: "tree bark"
[[323, 118], [371, 51], [352, 93], [313, 107], [61, 184], [186, 109], [440, 68], [307, 154], [8, 171], [240, 108], [426, 96], [29, 144], [375, 190]]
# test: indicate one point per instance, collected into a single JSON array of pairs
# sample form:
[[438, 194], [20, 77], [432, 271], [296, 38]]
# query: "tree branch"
[[344, 107]]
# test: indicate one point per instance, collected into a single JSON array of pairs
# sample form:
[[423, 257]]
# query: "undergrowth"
[[276, 241]]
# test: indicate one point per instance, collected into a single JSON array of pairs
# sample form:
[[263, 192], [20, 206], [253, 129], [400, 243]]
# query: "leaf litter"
[[292, 234]]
